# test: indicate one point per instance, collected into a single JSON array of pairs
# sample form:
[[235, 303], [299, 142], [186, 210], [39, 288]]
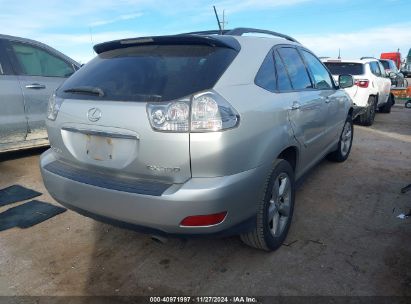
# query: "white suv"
[[371, 89]]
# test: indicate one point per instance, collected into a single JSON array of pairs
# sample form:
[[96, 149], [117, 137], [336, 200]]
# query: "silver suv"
[[30, 72], [195, 134]]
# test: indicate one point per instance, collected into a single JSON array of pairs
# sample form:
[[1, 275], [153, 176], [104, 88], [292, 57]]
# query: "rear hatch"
[[102, 124], [355, 69]]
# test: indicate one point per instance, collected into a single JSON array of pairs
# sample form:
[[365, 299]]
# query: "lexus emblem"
[[94, 114]]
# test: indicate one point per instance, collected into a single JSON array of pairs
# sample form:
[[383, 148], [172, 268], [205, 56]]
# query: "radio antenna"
[[218, 20]]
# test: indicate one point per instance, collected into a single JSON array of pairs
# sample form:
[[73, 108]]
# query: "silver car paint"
[[221, 171], [130, 157], [31, 91], [13, 122], [36, 93], [234, 194]]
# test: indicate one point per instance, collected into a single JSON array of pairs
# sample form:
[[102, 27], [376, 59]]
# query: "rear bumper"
[[162, 214], [358, 111], [361, 106]]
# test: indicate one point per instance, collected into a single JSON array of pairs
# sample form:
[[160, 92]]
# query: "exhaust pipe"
[[159, 239]]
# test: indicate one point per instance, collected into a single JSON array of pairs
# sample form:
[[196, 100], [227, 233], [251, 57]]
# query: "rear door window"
[[321, 76], [345, 68], [382, 70], [150, 72], [375, 68], [34, 61], [295, 68]]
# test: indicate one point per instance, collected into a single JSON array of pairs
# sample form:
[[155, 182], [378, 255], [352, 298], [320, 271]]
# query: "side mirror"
[[345, 81], [392, 75]]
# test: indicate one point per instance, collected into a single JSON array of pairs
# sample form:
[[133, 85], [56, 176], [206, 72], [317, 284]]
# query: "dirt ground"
[[345, 237]]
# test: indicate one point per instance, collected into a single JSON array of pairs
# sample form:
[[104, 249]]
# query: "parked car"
[[195, 134], [371, 90], [397, 78], [29, 74], [406, 70]]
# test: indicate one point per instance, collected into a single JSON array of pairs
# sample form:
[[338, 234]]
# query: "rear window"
[[150, 73], [345, 68]]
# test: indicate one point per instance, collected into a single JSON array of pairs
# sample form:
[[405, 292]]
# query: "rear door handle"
[[296, 105], [35, 86]]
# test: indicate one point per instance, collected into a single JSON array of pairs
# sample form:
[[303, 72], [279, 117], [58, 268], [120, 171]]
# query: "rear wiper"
[[86, 90]]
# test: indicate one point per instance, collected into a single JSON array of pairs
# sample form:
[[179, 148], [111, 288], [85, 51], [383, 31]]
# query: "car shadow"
[[6, 156], [128, 263]]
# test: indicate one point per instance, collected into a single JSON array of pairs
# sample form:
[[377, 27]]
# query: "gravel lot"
[[345, 238]]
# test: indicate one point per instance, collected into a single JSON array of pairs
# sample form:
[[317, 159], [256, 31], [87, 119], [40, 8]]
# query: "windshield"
[[345, 68], [147, 73]]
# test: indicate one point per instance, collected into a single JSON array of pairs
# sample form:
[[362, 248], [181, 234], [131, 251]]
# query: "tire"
[[386, 108], [275, 209], [367, 119], [345, 143]]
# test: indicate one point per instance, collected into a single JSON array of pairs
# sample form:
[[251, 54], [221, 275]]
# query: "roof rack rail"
[[241, 31], [244, 30], [368, 57], [212, 32]]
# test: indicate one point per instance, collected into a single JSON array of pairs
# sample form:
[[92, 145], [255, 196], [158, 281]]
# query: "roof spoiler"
[[227, 42]]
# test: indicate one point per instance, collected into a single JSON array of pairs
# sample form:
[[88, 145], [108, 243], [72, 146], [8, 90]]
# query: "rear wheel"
[[345, 143], [386, 108], [367, 118], [274, 210]]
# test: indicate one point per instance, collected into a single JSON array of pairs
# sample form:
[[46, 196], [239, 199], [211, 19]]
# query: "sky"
[[357, 28]]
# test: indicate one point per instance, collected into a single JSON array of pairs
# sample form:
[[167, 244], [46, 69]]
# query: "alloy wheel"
[[279, 205], [346, 139]]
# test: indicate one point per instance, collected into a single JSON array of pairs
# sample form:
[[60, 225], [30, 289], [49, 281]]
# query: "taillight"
[[362, 83], [202, 112], [203, 220], [53, 107], [170, 116]]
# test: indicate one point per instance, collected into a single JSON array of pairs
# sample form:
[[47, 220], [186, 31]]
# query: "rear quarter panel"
[[263, 132], [264, 129]]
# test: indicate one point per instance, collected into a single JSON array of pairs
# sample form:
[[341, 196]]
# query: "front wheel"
[[345, 143], [274, 209]]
